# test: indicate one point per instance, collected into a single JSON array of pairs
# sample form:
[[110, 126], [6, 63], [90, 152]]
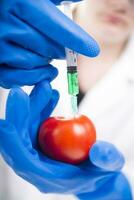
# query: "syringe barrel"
[[72, 76], [71, 58]]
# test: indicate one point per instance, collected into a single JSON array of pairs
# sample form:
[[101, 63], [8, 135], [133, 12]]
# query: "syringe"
[[71, 58]]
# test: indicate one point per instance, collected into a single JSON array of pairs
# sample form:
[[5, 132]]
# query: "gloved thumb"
[[106, 156]]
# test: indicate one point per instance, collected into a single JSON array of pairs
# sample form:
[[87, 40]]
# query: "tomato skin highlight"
[[67, 140]]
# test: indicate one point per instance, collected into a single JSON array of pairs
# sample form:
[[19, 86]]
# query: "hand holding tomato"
[[19, 132], [67, 140]]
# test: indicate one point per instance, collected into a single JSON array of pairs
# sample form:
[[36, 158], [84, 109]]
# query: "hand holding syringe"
[[71, 58]]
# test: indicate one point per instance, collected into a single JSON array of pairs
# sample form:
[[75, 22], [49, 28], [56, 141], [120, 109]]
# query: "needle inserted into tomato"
[[68, 140]]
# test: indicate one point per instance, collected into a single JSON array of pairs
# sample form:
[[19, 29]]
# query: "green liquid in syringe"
[[73, 88]]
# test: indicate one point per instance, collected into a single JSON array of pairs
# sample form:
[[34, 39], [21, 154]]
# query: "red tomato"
[[67, 140]]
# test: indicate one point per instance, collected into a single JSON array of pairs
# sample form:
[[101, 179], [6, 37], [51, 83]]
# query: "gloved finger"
[[39, 14], [17, 114], [10, 77], [45, 111], [106, 156], [18, 57], [39, 98], [18, 110], [29, 38], [50, 106]]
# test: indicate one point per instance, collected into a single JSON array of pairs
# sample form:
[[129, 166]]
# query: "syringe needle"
[[71, 58]]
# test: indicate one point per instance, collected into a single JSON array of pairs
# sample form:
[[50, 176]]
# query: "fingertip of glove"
[[42, 89], [45, 84], [55, 98], [94, 49], [106, 156], [16, 96], [87, 46], [15, 91], [56, 94], [54, 72]]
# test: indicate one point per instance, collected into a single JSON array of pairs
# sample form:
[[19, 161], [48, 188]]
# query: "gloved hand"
[[32, 33], [97, 178]]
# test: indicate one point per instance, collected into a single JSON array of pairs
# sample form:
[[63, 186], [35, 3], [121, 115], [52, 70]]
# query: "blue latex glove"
[[32, 33], [95, 179]]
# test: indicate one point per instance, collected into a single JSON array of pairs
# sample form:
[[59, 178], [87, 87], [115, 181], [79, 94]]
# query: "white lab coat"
[[110, 105]]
